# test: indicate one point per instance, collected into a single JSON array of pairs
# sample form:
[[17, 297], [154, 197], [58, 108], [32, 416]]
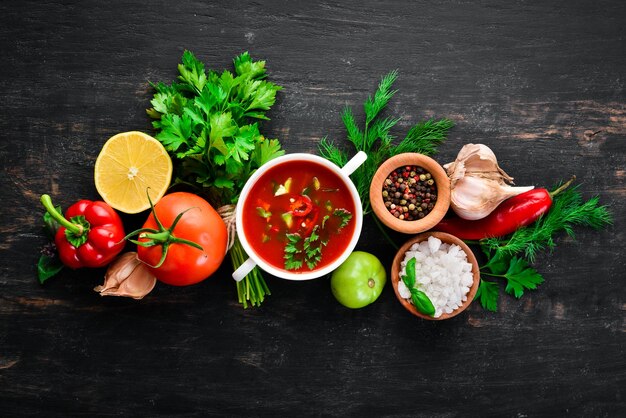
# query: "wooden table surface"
[[541, 83]]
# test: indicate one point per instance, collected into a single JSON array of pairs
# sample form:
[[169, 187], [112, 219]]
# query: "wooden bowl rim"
[[446, 238], [443, 193]]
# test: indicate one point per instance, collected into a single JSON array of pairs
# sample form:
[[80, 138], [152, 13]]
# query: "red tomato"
[[185, 264]]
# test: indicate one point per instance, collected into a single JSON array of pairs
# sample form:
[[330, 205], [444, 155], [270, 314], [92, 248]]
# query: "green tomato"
[[359, 280]]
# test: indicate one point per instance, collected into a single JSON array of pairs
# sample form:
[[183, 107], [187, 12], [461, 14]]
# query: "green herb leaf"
[[293, 252], [354, 133], [192, 71], [245, 66], [424, 137], [176, 133], [422, 302], [383, 94], [409, 278], [498, 263], [47, 267], [521, 276], [332, 153], [203, 122], [487, 294], [266, 150], [344, 215]]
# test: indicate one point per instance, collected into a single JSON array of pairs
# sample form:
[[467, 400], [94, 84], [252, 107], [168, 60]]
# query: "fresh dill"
[[375, 137]]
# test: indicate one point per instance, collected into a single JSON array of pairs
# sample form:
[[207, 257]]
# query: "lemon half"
[[129, 166]]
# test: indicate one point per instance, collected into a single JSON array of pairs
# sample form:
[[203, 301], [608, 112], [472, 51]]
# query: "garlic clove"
[[475, 197], [476, 160], [127, 276]]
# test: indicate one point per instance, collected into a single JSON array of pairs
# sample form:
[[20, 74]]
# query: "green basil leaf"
[[409, 279], [422, 302]]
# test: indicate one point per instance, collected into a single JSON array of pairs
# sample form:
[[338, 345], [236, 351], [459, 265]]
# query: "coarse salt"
[[441, 271]]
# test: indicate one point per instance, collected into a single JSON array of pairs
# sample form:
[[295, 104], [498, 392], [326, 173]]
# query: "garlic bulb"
[[127, 276], [476, 160], [478, 184]]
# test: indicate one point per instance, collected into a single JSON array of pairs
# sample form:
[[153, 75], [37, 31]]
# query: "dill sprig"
[[376, 140], [568, 210]]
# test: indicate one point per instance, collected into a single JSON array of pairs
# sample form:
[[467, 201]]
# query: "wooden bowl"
[[446, 238], [443, 193]]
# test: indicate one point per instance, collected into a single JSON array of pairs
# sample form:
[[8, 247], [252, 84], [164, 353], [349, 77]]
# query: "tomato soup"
[[299, 216]]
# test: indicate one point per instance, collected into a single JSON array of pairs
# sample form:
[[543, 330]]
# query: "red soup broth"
[[293, 198]]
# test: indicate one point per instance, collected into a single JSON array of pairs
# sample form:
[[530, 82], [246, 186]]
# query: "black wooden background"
[[542, 83]]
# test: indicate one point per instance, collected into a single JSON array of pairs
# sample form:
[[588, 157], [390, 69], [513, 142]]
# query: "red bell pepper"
[[92, 236], [509, 216]]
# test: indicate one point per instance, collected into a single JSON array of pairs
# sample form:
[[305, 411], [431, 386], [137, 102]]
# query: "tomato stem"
[[75, 229]]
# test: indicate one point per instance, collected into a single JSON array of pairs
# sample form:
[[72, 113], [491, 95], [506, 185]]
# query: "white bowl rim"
[[285, 274]]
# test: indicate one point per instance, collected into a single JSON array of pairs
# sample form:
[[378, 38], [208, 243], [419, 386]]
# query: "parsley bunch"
[[209, 124], [510, 257], [205, 122]]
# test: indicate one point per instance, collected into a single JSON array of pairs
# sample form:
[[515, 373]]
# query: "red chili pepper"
[[301, 205], [509, 216], [92, 236], [309, 222]]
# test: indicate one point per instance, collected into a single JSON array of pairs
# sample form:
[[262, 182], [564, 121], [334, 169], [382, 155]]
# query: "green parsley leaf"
[[344, 216], [245, 66], [192, 72], [487, 294], [293, 252], [175, 133], [266, 150], [521, 276]]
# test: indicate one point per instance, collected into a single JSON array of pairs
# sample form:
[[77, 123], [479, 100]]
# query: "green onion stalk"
[[253, 287]]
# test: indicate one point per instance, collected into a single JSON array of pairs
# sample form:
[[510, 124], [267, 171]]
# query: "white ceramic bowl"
[[256, 260]]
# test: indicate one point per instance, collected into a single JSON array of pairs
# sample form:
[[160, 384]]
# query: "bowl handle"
[[354, 163], [244, 269]]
